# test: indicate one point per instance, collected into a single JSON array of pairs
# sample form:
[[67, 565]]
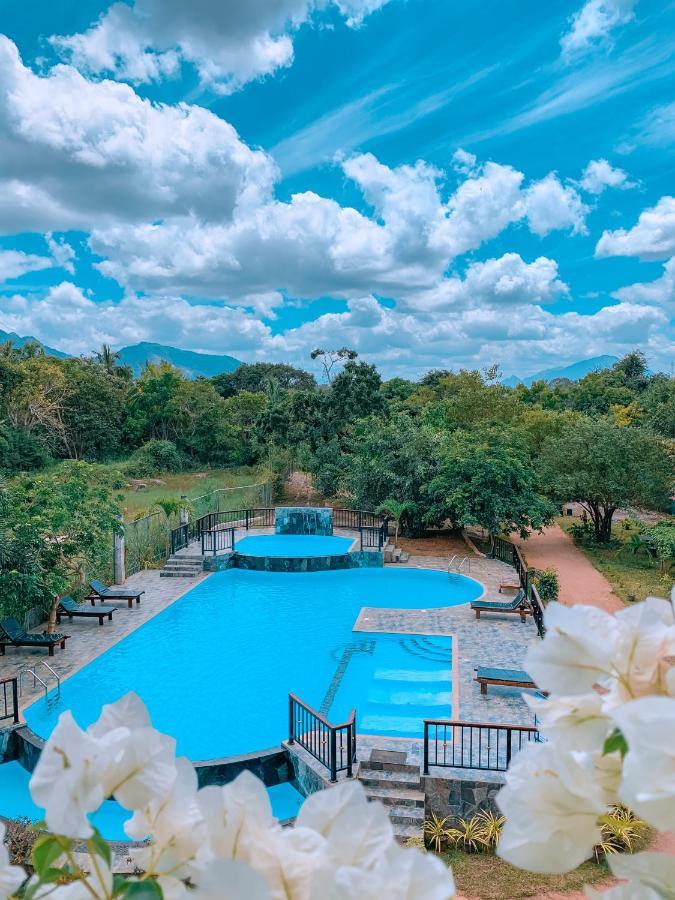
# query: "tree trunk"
[[51, 621], [604, 526]]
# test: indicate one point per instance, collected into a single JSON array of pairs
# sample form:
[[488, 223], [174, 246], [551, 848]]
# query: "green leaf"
[[100, 846], [616, 742], [143, 890], [46, 850]]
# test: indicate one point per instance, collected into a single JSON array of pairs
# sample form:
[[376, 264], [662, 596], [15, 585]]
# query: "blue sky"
[[433, 183]]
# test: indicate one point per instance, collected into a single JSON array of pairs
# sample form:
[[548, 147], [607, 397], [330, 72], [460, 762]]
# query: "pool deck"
[[497, 640]]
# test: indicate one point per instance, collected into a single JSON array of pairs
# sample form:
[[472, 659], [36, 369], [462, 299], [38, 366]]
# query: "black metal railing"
[[334, 746], [373, 538], [9, 698], [217, 539], [507, 552], [355, 519], [473, 745]]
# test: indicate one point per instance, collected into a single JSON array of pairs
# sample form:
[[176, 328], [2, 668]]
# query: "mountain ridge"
[[573, 372]]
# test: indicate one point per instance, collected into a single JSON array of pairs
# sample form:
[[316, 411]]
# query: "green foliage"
[[155, 458], [20, 451], [436, 833], [662, 538], [620, 829], [546, 582], [253, 378], [478, 833]]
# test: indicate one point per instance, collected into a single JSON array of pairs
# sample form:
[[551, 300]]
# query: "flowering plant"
[[217, 843], [609, 725]]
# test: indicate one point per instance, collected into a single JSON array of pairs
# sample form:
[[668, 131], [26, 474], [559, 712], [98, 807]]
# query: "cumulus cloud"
[[550, 205], [464, 162], [660, 292], [599, 175], [15, 263], [229, 43], [653, 237], [76, 152], [594, 23]]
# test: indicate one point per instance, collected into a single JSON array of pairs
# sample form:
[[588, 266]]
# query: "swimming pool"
[[293, 545], [215, 668]]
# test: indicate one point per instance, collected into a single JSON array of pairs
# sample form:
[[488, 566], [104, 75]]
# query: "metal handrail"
[[320, 739], [14, 714], [29, 668], [490, 745]]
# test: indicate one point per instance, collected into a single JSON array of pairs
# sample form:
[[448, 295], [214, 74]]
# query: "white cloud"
[[550, 205], [229, 42], [15, 263], [594, 23], [599, 175], [660, 292], [653, 237], [74, 322], [77, 152], [62, 253], [464, 162]]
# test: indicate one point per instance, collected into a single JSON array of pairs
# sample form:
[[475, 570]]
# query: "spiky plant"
[[436, 832], [490, 828]]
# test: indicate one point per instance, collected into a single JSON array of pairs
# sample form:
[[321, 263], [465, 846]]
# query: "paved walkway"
[[580, 581]]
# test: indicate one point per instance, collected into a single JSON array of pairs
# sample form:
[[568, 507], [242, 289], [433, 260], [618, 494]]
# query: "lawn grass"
[[488, 877], [138, 503], [633, 577]]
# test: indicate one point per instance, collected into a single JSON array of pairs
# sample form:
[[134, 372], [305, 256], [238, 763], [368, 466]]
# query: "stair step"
[[396, 796], [183, 567], [174, 574], [411, 816], [394, 768], [394, 780], [403, 833]]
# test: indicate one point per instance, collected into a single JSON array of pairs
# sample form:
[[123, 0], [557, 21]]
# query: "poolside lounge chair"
[[68, 607], [101, 592], [509, 677], [13, 635], [519, 605]]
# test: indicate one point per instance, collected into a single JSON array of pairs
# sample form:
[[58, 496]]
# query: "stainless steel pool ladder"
[[30, 669], [458, 563]]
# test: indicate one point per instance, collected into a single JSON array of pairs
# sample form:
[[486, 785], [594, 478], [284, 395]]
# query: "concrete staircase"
[[178, 566], [394, 554], [387, 777]]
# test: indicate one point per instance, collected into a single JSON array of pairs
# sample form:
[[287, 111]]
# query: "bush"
[[620, 832], [155, 458], [20, 840], [20, 451], [546, 582]]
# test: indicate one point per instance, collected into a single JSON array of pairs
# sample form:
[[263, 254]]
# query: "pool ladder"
[[31, 669], [458, 563]]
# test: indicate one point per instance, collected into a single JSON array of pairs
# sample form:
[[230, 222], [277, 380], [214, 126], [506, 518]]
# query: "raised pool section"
[[306, 520], [215, 668], [292, 545]]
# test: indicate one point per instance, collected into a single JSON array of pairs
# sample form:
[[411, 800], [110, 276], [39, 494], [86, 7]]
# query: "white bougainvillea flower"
[[648, 876], [67, 782], [413, 875], [11, 877], [648, 783], [177, 828], [576, 723], [551, 801], [236, 815], [227, 879], [137, 763], [357, 832], [579, 649]]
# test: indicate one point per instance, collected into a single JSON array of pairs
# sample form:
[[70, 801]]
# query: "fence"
[[223, 499], [372, 538], [146, 542], [354, 519], [473, 745], [509, 553], [334, 746], [9, 699], [217, 539]]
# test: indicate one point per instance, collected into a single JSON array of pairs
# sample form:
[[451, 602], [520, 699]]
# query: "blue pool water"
[[293, 545], [16, 802], [215, 667]]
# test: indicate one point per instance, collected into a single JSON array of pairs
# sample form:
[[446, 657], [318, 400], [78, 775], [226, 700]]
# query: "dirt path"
[[580, 581]]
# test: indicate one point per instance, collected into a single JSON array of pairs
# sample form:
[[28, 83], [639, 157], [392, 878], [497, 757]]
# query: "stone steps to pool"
[[394, 554], [182, 567], [387, 777]]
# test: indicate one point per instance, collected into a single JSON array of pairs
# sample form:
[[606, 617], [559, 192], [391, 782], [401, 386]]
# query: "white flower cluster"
[[609, 724], [217, 843]]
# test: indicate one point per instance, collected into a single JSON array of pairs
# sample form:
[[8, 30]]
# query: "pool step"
[[387, 777], [394, 554], [182, 567]]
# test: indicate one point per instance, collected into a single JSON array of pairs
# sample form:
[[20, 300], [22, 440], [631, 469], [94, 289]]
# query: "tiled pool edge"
[[359, 559]]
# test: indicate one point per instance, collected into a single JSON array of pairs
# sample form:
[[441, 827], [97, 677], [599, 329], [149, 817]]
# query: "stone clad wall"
[[462, 794], [303, 520], [356, 560]]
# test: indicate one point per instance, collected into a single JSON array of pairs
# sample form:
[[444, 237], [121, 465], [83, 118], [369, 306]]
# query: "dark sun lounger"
[[13, 635], [101, 592], [518, 605], [68, 607], [509, 677]]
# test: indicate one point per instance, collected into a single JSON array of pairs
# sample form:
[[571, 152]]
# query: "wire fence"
[[246, 496]]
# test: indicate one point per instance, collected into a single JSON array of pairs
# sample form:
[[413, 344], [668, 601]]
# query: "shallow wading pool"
[[293, 545], [215, 668]]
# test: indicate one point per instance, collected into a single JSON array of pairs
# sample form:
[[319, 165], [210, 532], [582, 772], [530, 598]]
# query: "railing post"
[[247, 512], [291, 720], [333, 754], [508, 747], [119, 573], [425, 768], [349, 750]]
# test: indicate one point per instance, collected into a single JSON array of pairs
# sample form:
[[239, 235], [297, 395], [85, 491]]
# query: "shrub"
[[20, 451], [154, 458], [546, 582], [620, 830], [20, 839], [436, 833]]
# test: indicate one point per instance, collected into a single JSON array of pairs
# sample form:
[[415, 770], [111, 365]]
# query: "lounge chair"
[[101, 592], [68, 607], [13, 635], [509, 677], [519, 605]]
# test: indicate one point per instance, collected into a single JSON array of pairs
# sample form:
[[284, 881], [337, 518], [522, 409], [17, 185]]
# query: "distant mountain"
[[191, 364], [573, 372], [19, 341]]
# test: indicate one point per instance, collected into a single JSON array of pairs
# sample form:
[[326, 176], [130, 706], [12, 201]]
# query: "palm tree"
[[396, 509], [108, 358]]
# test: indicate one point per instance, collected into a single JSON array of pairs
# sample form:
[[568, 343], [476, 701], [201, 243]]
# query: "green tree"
[[355, 394], [397, 510], [604, 467], [486, 478], [253, 377]]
